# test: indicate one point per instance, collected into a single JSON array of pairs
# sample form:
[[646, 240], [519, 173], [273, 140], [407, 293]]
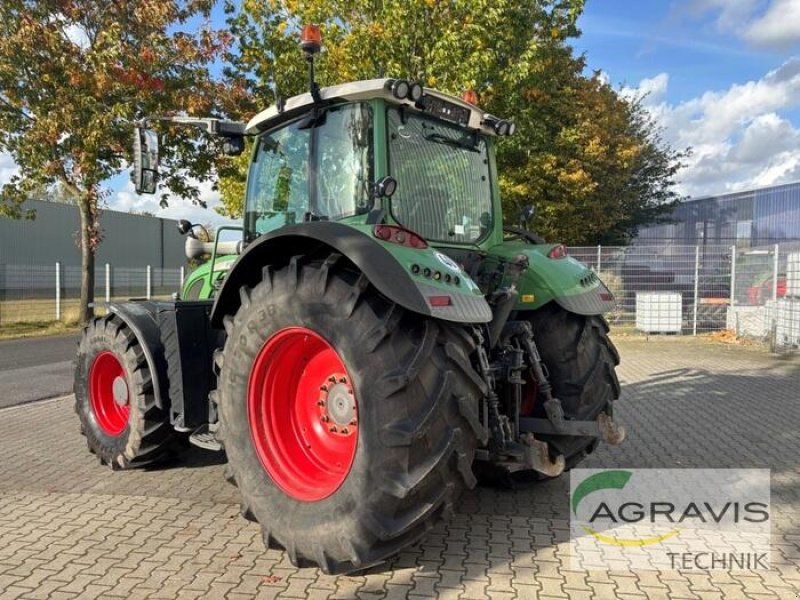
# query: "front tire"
[[114, 398], [309, 336]]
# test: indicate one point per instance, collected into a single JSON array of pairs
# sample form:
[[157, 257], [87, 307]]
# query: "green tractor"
[[374, 339]]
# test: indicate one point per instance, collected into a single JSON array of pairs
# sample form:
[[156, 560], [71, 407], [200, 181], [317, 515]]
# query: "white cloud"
[[732, 13], [77, 35], [8, 168], [127, 200], [778, 26], [738, 136], [774, 23], [651, 89]]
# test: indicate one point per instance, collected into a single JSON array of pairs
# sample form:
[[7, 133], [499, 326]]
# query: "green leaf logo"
[[599, 481], [615, 480]]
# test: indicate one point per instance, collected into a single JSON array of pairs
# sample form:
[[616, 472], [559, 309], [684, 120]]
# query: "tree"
[[450, 45], [591, 161], [74, 76]]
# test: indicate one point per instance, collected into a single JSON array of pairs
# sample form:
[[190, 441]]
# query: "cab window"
[[317, 168]]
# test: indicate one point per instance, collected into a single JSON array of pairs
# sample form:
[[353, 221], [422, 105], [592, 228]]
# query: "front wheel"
[[115, 400], [346, 420]]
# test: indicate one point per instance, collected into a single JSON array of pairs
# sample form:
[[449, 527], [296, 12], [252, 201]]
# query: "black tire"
[[581, 361], [148, 436], [417, 406]]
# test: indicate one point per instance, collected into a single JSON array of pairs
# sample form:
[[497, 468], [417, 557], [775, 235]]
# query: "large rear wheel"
[[114, 397], [349, 424], [581, 361]]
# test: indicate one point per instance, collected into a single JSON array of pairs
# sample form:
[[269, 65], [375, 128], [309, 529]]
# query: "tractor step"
[[205, 437]]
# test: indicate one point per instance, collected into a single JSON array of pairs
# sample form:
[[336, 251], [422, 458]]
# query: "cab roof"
[[361, 90]]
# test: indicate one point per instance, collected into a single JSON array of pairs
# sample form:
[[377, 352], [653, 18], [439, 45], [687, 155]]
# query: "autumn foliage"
[[74, 76], [590, 160]]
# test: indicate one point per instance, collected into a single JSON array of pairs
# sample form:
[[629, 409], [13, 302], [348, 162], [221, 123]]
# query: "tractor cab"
[[383, 151]]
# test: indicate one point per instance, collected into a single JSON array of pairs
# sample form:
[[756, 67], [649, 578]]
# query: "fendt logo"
[[664, 509]]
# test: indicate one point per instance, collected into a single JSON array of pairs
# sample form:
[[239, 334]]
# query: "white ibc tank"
[[659, 312]]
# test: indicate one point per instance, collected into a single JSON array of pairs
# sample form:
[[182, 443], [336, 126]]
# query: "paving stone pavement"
[[70, 528]]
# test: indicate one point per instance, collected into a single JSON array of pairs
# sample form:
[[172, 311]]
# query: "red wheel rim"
[[303, 414], [108, 393]]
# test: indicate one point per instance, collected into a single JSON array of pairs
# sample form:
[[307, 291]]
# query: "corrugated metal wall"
[[750, 218], [128, 240]]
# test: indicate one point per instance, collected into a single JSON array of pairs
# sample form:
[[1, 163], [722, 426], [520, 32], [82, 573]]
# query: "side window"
[[330, 161], [277, 188], [343, 160]]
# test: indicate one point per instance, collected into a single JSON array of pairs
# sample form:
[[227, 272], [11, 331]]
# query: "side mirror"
[[527, 214], [145, 160], [385, 187], [184, 226], [233, 145]]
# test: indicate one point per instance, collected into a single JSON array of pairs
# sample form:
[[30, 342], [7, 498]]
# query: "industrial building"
[[759, 217], [129, 240]]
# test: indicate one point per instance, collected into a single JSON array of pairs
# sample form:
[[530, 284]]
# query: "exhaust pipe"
[[194, 248]]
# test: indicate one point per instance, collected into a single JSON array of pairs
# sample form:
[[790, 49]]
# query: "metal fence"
[[52, 292], [680, 290], [752, 292]]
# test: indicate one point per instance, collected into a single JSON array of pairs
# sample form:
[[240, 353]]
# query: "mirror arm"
[[216, 127]]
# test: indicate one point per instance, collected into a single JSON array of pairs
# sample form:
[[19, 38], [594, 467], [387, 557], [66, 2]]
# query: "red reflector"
[[440, 300], [383, 232], [417, 242], [399, 235], [606, 297], [559, 251]]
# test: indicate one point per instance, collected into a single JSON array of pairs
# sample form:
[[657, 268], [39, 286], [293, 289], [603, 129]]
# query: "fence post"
[[696, 287], [58, 291], [733, 276], [108, 282], [183, 276], [775, 274], [149, 282], [599, 257]]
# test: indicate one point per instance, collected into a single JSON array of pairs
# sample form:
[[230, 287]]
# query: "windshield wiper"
[[465, 143]]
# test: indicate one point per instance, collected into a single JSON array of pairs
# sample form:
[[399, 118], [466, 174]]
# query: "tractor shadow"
[[188, 456], [678, 418]]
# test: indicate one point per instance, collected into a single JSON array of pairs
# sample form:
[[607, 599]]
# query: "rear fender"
[[566, 281], [387, 266]]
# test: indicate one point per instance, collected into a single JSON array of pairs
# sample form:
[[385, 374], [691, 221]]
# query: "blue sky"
[[721, 77]]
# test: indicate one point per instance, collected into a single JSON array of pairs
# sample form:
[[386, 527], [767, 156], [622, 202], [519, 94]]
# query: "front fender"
[[142, 319], [388, 267], [566, 281]]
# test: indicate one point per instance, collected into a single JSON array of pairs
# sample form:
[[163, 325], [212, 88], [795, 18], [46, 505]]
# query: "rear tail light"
[[559, 251], [440, 301], [399, 235]]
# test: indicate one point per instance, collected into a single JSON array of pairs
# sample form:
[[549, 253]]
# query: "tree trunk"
[[87, 239]]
